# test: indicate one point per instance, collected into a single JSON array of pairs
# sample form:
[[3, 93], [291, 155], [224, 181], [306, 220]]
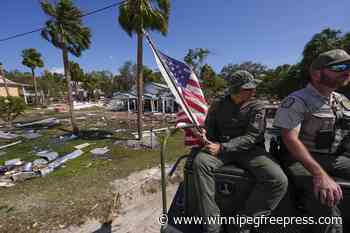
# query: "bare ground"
[[140, 205]]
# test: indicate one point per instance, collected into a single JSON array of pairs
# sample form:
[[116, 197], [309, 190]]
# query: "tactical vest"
[[324, 128]]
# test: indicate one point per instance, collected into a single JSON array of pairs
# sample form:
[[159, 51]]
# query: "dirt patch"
[[141, 205]]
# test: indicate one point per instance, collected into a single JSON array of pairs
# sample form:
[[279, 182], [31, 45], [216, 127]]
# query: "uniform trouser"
[[271, 182], [338, 166]]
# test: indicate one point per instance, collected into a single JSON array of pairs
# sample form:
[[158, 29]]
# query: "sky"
[[271, 32]]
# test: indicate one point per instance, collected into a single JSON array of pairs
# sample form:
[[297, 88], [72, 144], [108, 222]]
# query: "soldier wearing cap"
[[313, 122], [235, 128]]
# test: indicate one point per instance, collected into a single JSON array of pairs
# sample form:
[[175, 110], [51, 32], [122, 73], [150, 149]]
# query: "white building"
[[157, 98]]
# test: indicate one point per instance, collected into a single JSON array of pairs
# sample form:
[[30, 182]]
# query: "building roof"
[[124, 95], [152, 90], [160, 85], [12, 83]]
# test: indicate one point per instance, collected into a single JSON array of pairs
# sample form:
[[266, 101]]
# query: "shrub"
[[10, 108]]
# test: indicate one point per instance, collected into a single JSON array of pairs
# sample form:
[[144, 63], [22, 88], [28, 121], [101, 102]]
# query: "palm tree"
[[32, 59], [134, 17], [66, 31], [195, 58], [2, 74]]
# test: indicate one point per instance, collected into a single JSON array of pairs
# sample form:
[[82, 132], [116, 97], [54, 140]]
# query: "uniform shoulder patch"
[[288, 102], [346, 104]]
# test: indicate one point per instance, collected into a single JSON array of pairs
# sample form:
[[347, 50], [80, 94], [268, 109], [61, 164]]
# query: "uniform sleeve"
[[254, 132], [210, 123], [290, 114]]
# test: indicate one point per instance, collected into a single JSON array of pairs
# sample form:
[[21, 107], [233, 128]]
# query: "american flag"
[[185, 86]]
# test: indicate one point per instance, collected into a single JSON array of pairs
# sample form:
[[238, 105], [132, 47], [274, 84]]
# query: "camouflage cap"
[[331, 57], [243, 79]]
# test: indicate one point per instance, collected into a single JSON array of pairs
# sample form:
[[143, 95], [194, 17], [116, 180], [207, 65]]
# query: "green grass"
[[68, 195]]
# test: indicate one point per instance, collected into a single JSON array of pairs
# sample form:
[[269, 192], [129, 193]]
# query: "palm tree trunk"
[[2, 74], [35, 88], [70, 98], [139, 83]]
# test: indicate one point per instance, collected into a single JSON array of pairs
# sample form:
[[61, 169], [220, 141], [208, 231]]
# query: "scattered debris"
[[31, 135], [74, 154], [82, 105], [16, 162], [46, 123], [39, 162], [150, 141], [28, 167], [8, 135], [46, 170], [120, 130], [146, 132], [94, 134], [81, 146], [5, 169], [60, 161], [133, 144], [65, 138], [48, 155], [21, 176], [11, 144], [81, 118], [99, 151], [59, 107]]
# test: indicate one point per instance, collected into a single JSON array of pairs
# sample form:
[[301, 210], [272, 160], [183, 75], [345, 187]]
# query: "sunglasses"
[[339, 67], [248, 89]]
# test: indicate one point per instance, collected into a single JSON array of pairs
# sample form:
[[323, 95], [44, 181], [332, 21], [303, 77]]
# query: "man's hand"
[[201, 135], [212, 148], [327, 190]]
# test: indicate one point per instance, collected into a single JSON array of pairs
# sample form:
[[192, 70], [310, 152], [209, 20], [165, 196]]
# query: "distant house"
[[80, 94], [157, 98], [16, 89]]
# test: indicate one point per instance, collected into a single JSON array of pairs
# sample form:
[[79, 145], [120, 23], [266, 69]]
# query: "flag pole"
[[153, 47]]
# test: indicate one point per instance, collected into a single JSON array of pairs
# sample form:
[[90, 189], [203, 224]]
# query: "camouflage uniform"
[[240, 131]]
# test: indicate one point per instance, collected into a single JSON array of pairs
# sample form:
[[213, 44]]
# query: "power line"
[[20, 35], [87, 14]]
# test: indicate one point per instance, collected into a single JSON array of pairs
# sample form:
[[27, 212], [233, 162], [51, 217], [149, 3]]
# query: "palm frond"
[[151, 14], [48, 8], [65, 28]]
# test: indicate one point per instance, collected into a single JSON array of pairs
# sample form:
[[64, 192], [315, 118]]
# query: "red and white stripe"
[[194, 101], [198, 106]]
